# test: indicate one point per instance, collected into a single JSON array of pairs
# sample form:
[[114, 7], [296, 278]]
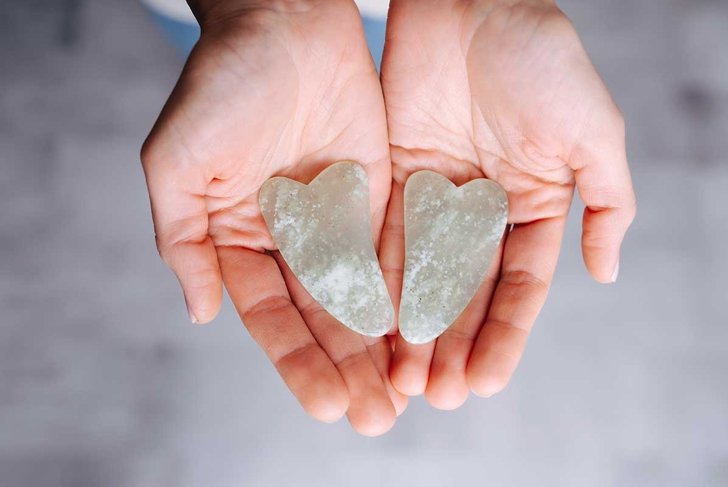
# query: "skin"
[[472, 89], [272, 89], [502, 90]]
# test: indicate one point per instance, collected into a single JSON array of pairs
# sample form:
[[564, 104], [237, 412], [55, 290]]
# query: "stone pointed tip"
[[373, 333], [416, 339]]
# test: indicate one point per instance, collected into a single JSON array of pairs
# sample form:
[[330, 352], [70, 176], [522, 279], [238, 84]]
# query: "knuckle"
[[204, 277], [392, 271], [300, 354], [460, 335], [527, 279], [267, 305], [352, 359], [392, 228], [311, 309]]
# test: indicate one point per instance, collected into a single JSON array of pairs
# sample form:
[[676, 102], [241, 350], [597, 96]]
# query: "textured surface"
[[451, 236], [323, 231], [103, 381]]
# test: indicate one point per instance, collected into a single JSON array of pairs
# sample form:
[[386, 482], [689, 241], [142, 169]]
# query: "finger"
[[529, 260], [391, 250], [379, 174], [605, 185], [259, 293], [177, 193], [447, 387], [410, 364], [380, 351], [371, 411], [410, 368]]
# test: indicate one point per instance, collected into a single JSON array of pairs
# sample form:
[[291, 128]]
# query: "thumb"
[[605, 185], [177, 193]]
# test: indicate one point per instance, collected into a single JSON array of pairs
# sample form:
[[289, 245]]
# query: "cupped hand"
[[503, 90], [272, 88]]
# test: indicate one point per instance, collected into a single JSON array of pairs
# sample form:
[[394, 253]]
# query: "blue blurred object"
[[374, 29], [184, 34]]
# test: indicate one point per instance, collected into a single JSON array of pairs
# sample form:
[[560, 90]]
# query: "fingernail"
[[615, 274], [192, 316]]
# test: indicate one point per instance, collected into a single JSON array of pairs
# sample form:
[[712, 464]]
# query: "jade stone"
[[451, 236], [323, 231]]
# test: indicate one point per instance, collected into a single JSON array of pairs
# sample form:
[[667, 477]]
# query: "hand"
[[503, 90], [280, 88]]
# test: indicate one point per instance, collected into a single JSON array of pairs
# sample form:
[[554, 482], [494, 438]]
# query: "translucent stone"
[[451, 237], [323, 231]]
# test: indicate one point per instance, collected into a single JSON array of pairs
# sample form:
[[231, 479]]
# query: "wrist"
[[213, 11]]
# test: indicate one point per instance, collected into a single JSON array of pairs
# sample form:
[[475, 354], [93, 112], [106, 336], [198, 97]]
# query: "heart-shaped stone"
[[451, 236], [323, 231]]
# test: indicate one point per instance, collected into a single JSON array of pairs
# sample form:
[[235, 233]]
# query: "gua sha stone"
[[323, 231], [451, 236]]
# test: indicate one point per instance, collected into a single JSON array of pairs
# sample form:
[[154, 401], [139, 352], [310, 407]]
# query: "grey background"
[[103, 382]]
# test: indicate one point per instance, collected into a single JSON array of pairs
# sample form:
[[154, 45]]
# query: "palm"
[[502, 93], [267, 94], [258, 104]]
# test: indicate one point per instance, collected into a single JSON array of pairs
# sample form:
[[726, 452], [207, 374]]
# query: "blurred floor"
[[104, 383]]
